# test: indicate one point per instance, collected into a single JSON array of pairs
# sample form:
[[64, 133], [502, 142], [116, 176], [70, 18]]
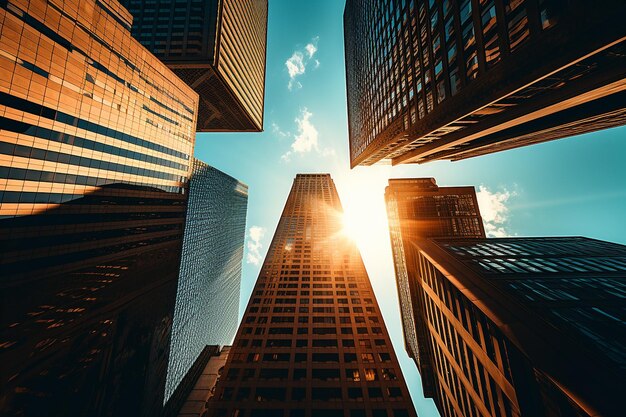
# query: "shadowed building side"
[[526, 326], [456, 79], [96, 136]]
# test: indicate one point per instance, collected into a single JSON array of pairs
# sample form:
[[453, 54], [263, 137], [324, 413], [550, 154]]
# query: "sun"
[[364, 219]]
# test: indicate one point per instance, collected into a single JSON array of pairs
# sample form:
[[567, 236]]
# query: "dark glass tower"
[[95, 142], [453, 79], [312, 342], [217, 47], [418, 208], [207, 300], [525, 326]]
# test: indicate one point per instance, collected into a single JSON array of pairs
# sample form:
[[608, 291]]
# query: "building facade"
[[193, 393], [218, 47], [418, 208], [207, 300], [525, 326], [453, 79], [96, 138], [312, 341]]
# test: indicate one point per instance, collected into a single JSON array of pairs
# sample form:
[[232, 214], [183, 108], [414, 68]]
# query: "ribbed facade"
[[312, 341], [417, 207], [207, 300], [218, 47], [526, 326], [453, 79], [96, 136]]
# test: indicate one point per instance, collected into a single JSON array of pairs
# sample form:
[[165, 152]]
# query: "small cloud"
[[295, 67], [255, 234], [494, 210], [279, 132], [298, 62], [286, 157], [306, 140], [311, 48]]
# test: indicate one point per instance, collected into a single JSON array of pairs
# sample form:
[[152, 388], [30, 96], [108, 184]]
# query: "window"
[[389, 374], [325, 357], [326, 394], [355, 394], [371, 374], [353, 375], [326, 374]]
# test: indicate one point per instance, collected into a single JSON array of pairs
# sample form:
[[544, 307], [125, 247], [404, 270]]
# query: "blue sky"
[[573, 186]]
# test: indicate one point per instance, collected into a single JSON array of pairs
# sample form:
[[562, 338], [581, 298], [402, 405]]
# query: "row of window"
[[314, 309], [305, 330], [315, 412], [315, 343], [381, 357], [314, 394], [301, 374]]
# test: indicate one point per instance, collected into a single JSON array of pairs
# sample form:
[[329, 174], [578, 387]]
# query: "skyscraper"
[[525, 326], [95, 142], [453, 79], [312, 341], [217, 47], [207, 300], [418, 208]]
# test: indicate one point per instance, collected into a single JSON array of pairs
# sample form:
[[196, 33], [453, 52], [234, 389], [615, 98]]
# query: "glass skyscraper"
[[218, 47], [312, 342], [96, 138], [525, 326], [453, 79], [207, 300]]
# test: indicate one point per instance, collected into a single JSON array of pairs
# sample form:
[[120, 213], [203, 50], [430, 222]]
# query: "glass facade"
[[526, 326], [418, 208], [96, 137], [452, 79], [312, 341], [207, 300], [218, 47]]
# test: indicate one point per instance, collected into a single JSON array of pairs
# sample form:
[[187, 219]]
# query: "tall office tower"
[[525, 326], [453, 79], [207, 300], [418, 208], [218, 47], [312, 341], [95, 142]]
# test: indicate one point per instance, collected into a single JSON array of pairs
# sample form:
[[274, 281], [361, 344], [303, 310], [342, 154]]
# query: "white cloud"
[[311, 48], [306, 139], [299, 61], [255, 235], [494, 210], [279, 132]]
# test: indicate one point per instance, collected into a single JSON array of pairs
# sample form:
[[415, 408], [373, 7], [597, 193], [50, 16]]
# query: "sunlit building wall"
[[312, 341], [418, 208], [218, 47], [96, 138], [453, 79], [207, 300], [525, 326]]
